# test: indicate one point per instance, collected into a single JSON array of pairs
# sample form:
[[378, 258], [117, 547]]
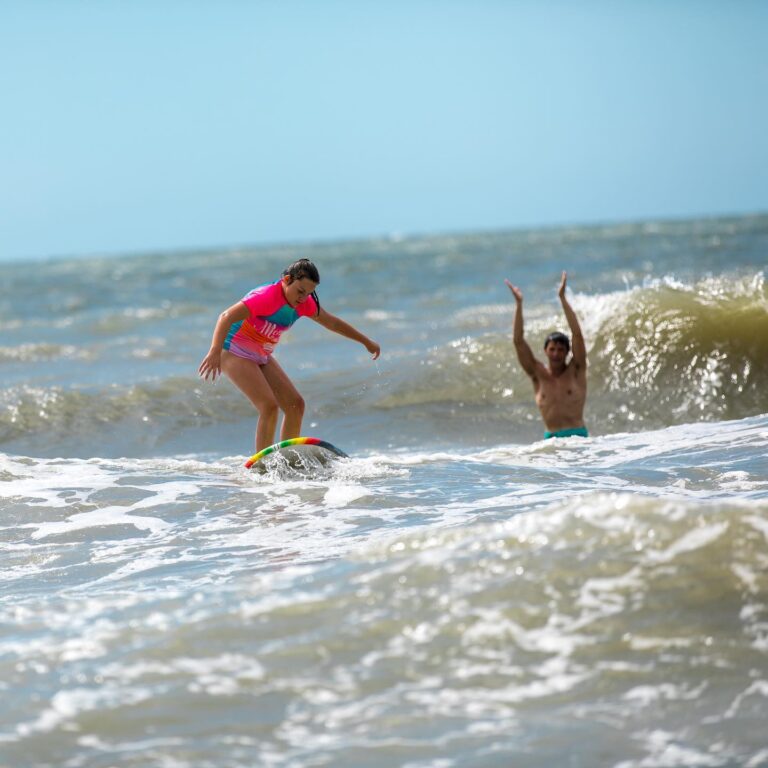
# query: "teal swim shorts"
[[574, 432]]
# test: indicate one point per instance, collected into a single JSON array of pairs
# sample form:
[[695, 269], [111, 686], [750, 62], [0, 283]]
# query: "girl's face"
[[297, 291]]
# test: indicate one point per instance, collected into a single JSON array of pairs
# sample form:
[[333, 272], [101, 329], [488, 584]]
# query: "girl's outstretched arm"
[[343, 328], [211, 365]]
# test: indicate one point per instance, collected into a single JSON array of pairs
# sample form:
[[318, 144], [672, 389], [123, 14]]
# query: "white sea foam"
[[509, 566]]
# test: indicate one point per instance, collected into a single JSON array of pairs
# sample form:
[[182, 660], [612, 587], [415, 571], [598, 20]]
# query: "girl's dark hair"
[[301, 269], [558, 338]]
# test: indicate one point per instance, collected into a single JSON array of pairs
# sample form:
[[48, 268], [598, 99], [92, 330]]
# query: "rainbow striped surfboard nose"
[[294, 441]]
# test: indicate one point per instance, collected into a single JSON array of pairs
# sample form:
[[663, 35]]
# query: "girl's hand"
[[211, 365], [373, 348]]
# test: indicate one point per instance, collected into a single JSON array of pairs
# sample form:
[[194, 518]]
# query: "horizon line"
[[393, 237]]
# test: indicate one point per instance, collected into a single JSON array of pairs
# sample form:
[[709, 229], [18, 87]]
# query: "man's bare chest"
[[562, 388]]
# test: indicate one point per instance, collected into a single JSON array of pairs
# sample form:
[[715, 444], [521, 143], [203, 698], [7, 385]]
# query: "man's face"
[[556, 353]]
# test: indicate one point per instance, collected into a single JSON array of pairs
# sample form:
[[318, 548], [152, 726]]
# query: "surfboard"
[[296, 447]]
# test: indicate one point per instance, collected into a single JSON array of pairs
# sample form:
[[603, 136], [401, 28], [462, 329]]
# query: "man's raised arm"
[[579, 348], [524, 353]]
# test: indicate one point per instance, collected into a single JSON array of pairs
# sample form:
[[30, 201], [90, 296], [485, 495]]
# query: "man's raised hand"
[[516, 292]]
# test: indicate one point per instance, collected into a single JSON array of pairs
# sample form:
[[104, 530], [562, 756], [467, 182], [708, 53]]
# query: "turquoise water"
[[459, 592]]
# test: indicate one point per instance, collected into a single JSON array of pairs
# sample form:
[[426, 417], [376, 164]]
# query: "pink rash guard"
[[270, 314]]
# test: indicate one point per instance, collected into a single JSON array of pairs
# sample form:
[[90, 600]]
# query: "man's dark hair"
[[301, 269], [558, 338]]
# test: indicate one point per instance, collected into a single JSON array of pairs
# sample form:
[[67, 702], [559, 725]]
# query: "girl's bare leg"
[[288, 398], [249, 378]]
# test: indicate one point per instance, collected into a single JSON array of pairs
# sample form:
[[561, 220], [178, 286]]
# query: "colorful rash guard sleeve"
[[270, 314]]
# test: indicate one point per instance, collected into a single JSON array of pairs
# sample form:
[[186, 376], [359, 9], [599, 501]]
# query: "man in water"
[[560, 386]]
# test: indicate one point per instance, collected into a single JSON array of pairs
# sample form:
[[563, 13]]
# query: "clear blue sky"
[[152, 124]]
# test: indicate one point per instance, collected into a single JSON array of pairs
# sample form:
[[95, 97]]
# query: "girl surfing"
[[245, 337]]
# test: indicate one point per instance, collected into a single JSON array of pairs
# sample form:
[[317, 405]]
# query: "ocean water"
[[457, 593]]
